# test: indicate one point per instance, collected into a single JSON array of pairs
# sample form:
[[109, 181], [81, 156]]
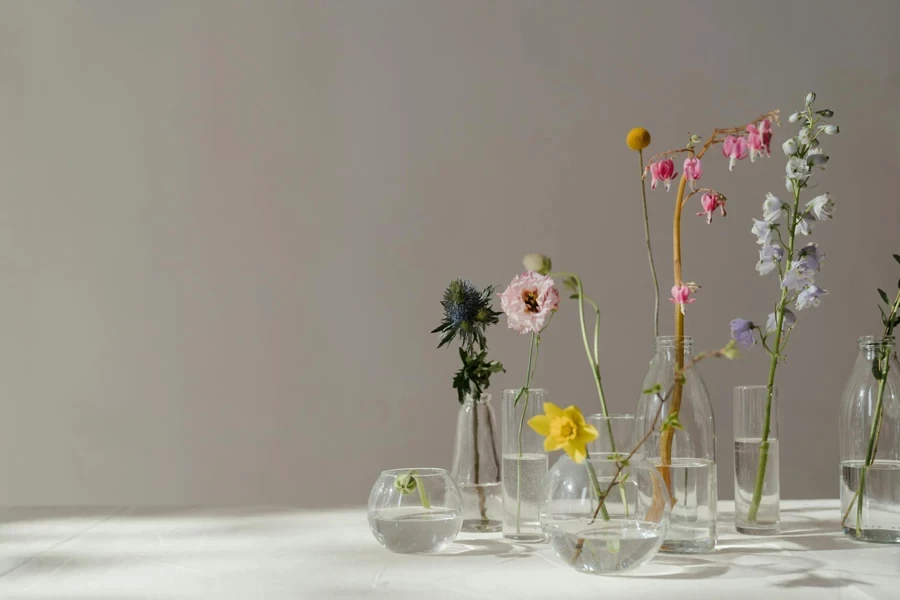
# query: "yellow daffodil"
[[564, 428], [638, 139]]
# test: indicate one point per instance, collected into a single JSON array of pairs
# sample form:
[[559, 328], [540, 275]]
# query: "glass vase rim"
[[483, 398], [674, 341], [612, 417], [870, 341], [755, 387], [530, 391], [419, 472]]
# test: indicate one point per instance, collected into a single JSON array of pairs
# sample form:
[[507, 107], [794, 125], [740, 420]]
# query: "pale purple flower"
[[797, 277], [810, 297], [772, 208], [805, 224], [789, 319], [810, 256], [742, 333], [762, 230], [821, 206], [797, 168], [529, 301], [770, 256]]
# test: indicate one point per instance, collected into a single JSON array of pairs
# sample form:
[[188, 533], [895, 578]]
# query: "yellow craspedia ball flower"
[[638, 139]]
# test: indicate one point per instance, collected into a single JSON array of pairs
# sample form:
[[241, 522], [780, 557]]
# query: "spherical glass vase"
[[415, 511], [624, 531]]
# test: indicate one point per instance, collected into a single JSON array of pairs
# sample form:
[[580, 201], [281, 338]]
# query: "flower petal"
[[553, 443], [575, 451], [541, 424], [552, 410], [574, 415], [587, 434]]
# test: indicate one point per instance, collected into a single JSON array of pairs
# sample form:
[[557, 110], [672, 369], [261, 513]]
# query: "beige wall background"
[[225, 226]]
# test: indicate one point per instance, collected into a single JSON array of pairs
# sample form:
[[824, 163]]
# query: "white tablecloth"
[[274, 553]]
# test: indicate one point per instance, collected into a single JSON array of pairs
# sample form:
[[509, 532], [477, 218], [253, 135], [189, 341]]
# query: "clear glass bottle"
[[763, 518], [476, 465], [415, 511], [686, 457], [624, 532], [870, 444], [524, 466]]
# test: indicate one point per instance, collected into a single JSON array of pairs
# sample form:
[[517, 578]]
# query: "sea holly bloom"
[[821, 206], [810, 256], [797, 277], [770, 256], [681, 295], [692, 170], [762, 230], [664, 171], [564, 429], [810, 297], [742, 333], [789, 320], [529, 301], [734, 148], [773, 208], [710, 202]]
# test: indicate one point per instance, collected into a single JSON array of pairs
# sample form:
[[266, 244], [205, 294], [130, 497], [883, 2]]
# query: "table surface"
[[276, 552]]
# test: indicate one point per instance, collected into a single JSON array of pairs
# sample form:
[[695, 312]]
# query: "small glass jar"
[[870, 444], [476, 465], [624, 531], [415, 511]]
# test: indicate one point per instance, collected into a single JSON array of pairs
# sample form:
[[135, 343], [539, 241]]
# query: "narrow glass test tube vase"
[[524, 465], [757, 495], [476, 465]]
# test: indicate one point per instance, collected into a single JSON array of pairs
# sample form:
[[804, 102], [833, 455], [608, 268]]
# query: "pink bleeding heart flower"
[[754, 142], [765, 130], [710, 202], [681, 295], [734, 148], [529, 301], [692, 170], [664, 171]]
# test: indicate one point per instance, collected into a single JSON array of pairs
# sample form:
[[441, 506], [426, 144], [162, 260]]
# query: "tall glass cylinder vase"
[[870, 444], [756, 487], [476, 465], [524, 466], [686, 454]]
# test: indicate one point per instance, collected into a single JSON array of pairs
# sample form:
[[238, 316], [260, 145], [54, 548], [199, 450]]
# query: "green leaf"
[[884, 296], [574, 297], [897, 257], [653, 390]]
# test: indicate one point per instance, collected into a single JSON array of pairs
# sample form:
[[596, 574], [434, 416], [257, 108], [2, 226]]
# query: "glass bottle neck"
[[483, 399], [667, 346]]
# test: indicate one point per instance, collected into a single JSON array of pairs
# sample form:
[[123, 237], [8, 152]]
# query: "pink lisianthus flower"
[[734, 148], [664, 171], [710, 202], [529, 301], [681, 295], [692, 170]]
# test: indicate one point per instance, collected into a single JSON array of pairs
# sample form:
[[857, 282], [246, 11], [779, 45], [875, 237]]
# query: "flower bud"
[[405, 484], [790, 147], [794, 117], [538, 263], [803, 136], [825, 113], [810, 97], [832, 129]]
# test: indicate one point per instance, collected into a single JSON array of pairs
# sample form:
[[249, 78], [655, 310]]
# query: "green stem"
[[650, 251], [759, 484], [872, 447], [596, 483], [532, 364], [423, 496]]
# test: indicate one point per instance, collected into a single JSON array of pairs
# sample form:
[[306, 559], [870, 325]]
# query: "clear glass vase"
[[524, 466], [628, 528], [476, 465], [870, 444], [757, 494], [415, 511], [686, 456]]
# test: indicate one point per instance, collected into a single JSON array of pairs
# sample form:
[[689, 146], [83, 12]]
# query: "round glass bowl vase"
[[415, 511], [618, 535]]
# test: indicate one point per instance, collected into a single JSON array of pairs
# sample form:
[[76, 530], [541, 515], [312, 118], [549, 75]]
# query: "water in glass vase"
[[523, 491], [480, 503], [746, 466], [880, 519], [607, 547], [692, 528], [412, 530]]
